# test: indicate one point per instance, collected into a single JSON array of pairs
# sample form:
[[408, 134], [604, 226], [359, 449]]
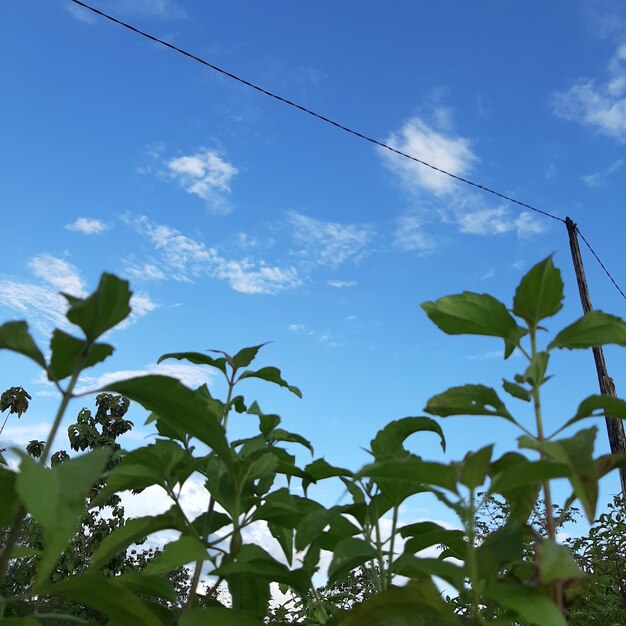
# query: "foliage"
[[517, 573]]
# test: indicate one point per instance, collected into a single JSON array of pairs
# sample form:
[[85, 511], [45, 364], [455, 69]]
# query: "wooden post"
[[614, 426]]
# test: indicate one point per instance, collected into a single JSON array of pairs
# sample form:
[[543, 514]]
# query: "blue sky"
[[239, 220]]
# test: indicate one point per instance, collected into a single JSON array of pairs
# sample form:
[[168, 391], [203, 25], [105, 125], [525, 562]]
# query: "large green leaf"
[[389, 440], [106, 307], [135, 530], [278, 434], [321, 469], [313, 524], [413, 567], [107, 595], [555, 562], [593, 329], [272, 375], [8, 496], [412, 470], [577, 453], [473, 470], [55, 497], [245, 356], [67, 352], [14, 336], [528, 603], [528, 473], [539, 294], [469, 400], [176, 554], [598, 406], [475, 314], [198, 358], [285, 538], [417, 604], [177, 405], [218, 616], [423, 535], [252, 560], [347, 555]]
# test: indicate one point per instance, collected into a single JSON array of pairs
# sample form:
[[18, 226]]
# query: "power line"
[[346, 129]]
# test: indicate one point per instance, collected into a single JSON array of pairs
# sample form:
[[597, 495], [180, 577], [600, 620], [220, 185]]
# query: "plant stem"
[[394, 525], [471, 559]]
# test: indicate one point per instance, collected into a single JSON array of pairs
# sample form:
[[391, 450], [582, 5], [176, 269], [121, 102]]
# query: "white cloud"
[[296, 328], [190, 375], [58, 273], [598, 104], [329, 243], [185, 259], [79, 13], [599, 179], [88, 226], [339, 284], [205, 174], [145, 271], [499, 220], [448, 152]]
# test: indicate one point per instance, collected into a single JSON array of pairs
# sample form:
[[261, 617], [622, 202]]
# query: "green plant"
[[526, 577]]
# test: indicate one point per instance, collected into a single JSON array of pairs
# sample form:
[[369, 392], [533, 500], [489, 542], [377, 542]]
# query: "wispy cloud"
[[600, 178], [42, 304], [438, 198], [341, 284], [599, 104], [184, 259], [206, 174], [161, 9], [88, 226], [58, 273], [329, 243]]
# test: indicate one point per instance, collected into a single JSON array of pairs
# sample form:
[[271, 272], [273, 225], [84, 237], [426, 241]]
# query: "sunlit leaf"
[[539, 294], [272, 375], [245, 356], [593, 329], [475, 314], [55, 497]]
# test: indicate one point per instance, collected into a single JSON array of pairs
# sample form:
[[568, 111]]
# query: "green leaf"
[[517, 391], [56, 499], [284, 536], [598, 406], [313, 524], [500, 548], [176, 554], [272, 375], [530, 604], [419, 603], [535, 373], [577, 453], [389, 441], [475, 314], [469, 400], [556, 562], [593, 329], [252, 560], [472, 471], [245, 356], [278, 434], [198, 358], [8, 496], [178, 406], [348, 554], [67, 352], [412, 470], [14, 336], [218, 616], [19, 621], [106, 307], [539, 294], [527, 473], [267, 423], [423, 535], [107, 595], [133, 531], [414, 567]]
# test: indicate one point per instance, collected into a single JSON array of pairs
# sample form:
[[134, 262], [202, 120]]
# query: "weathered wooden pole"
[[614, 426]]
